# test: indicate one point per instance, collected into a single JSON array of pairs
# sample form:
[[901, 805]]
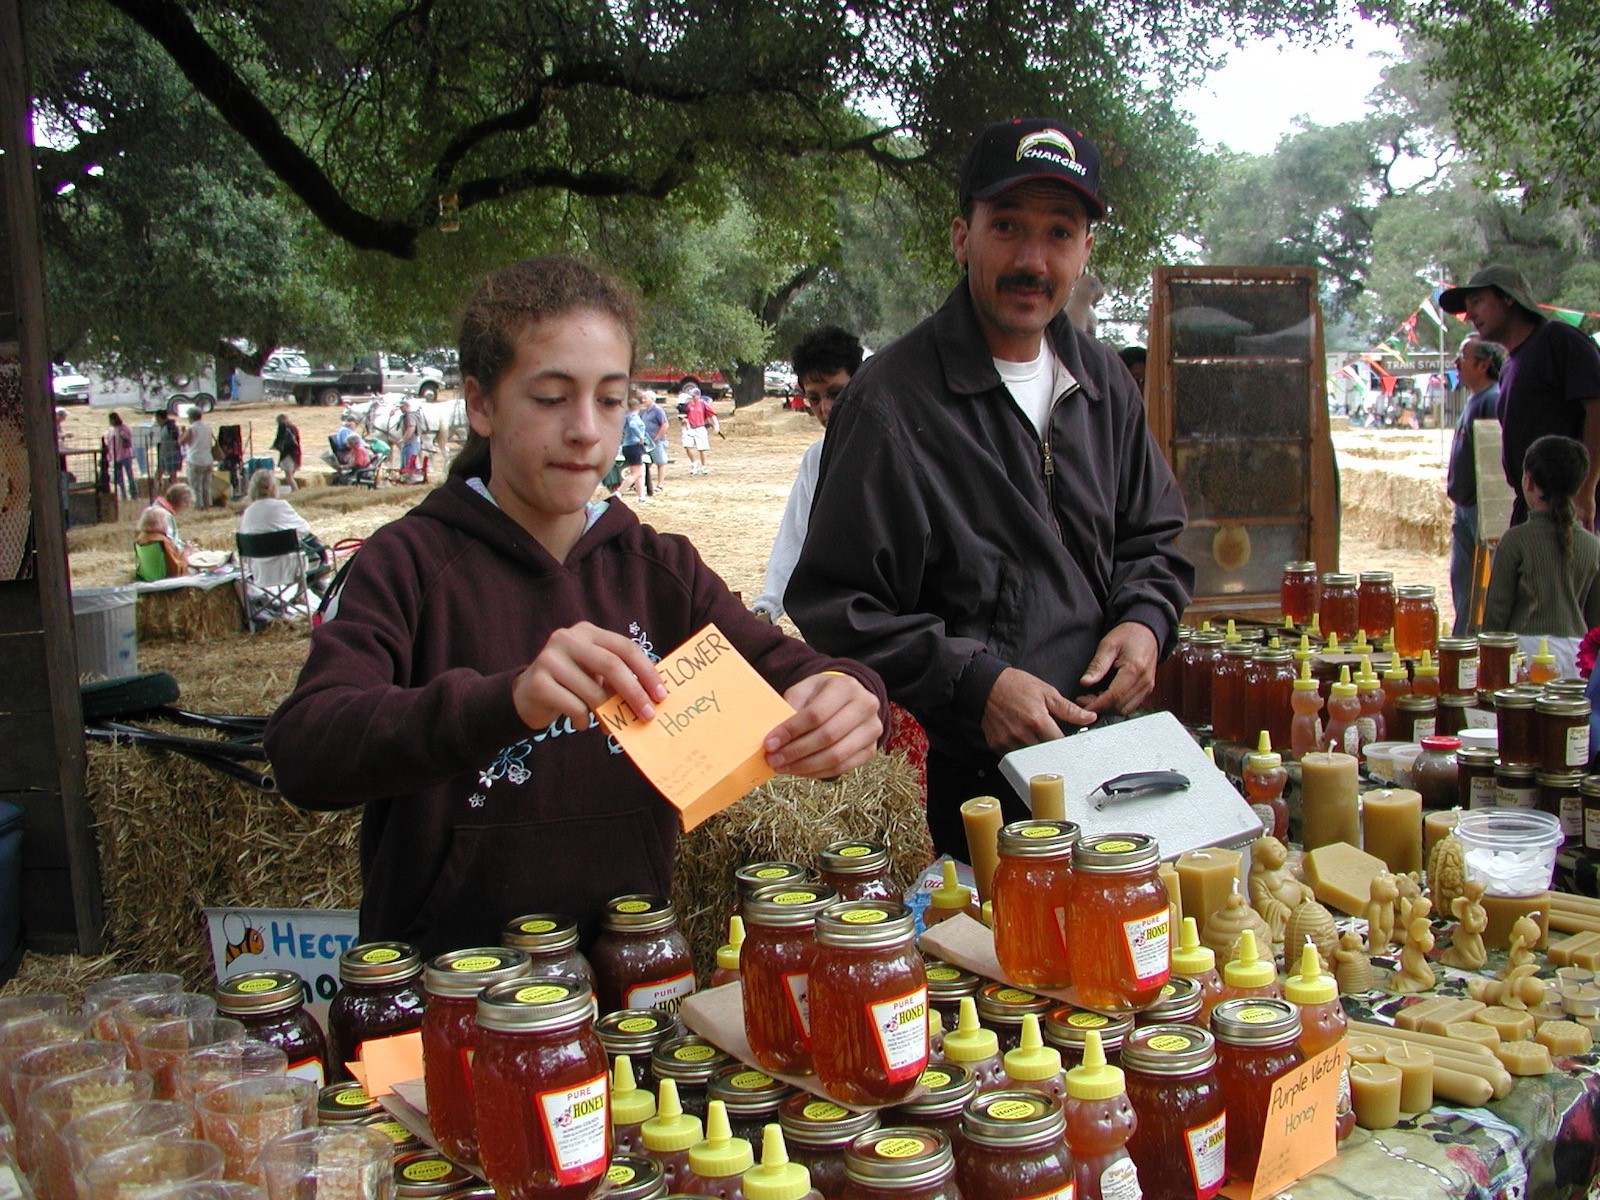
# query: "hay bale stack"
[[1394, 508], [189, 614], [793, 819]]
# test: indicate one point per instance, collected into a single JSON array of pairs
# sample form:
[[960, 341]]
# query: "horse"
[[441, 421]]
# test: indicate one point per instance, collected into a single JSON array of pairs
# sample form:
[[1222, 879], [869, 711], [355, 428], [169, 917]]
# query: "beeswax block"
[[1524, 1058], [1579, 950], [1341, 876], [1448, 1014], [1564, 1037], [1512, 1024], [1475, 1032]]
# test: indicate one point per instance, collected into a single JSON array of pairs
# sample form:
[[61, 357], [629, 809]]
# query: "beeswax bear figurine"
[[1380, 912]]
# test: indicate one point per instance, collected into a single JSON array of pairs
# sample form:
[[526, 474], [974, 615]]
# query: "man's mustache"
[[1029, 282]]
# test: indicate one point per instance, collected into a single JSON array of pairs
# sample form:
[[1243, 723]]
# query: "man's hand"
[[580, 668], [1583, 506], [1131, 651], [1024, 710], [835, 728]]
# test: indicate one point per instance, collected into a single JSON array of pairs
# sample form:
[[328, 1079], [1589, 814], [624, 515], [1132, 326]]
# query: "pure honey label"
[[637, 1024], [1207, 1146], [665, 994], [772, 873], [1014, 996], [633, 906], [751, 1081], [900, 1026], [1012, 1110], [943, 974], [1172, 1043], [1088, 1020], [1149, 942], [798, 987], [1120, 1181], [1116, 846], [1259, 1015], [1041, 831], [694, 1053], [573, 1121], [900, 1147], [797, 897]]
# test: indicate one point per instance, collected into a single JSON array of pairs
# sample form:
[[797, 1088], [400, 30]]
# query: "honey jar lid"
[[379, 962], [746, 1091], [1013, 1120], [1032, 1061], [630, 1103], [688, 1059], [1514, 770], [1240, 649], [810, 1121], [1067, 1027], [1453, 700], [1112, 853], [1000, 1003], [853, 856], [1498, 640], [1191, 957], [1206, 637], [257, 993], [671, 1130], [465, 973], [1254, 1021], [639, 912], [1514, 697], [530, 1005], [400, 1137], [728, 952], [1458, 645], [1096, 1079], [345, 1104], [634, 1030], [1562, 706], [903, 1157], [1567, 687], [1338, 579], [764, 874], [1377, 576], [1169, 1050], [720, 1154], [1249, 970], [1441, 743], [635, 1177], [1477, 756], [1590, 785], [865, 924], [1037, 838], [422, 1173], [1312, 985], [970, 1042], [949, 1086], [788, 905], [948, 983], [540, 933], [1415, 591], [1416, 703], [1180, 1000], [775, 1177], [1299, 568]]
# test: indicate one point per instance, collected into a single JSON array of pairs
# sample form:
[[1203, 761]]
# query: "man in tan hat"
[[1550, 383]]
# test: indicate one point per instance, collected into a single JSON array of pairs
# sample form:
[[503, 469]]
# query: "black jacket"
[[948, 541]]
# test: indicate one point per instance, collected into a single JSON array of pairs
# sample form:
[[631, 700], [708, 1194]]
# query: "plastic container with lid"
[[1515, 787], [1002, 1008], [1512, 852], [752, 1098], [901, 1164], [633, 1176], [1193, 960], [1542, 667], [427, 1175], [776, 1176], [670, 1135], [1322, 1022], [631, 1107], [947, 984], [728, 954], [1067, 1029], [775, 965], [271, 1007], [1425, 676], [1297, 592], [1181, 1001], [1121, 921], [1033, 1066], [542, 1089], [949, 1088], [1370, 725], [1179, 1146], [1339, 606], [1343, 735], [1257, 1041], [975, 1048], [1434, 773], [857, 869], [869, 1003], [717, 1163], [550, 940], [1014, 1146], [817, 1132], [450, 1039], [1561, 724], [689, 1061], [641, 959], [636, 1032], [1396, 682], [380, 995], [1100, 1120], [1031, 891]]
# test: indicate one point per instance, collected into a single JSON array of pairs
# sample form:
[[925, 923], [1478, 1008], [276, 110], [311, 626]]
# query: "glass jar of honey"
[[1179, 1147], [450, 1039], [754, 876], [1168, 693], [636, 1032], [1268, 686], [869, 1003], [947, 984], [1375, 603], [1452, 715], [380, 995], [818, 1132], [1591, 814], [1514, 718], [550, 940], [1340, 605], [1066, 1027], [857, 869], [1227, 690], [1204, 649], [949, 1089], [1016, 1146], [1458, 666], [1562, 726], [1257, 1041], [1475, 777], [775, 967], [635, 1177], [1435, 774], [427, 1175], [1297, 591], [640, 959], [1032, 889], [347, 1104], [1180, 1004], [903, 1163], [1514, 786], [1494, 660], [271, 1005], [1121, 922], [689, 1061], [752, 1098], [1002, 1007], [1416, 620], [542, 1090], [1561, 795], [1417, 716]]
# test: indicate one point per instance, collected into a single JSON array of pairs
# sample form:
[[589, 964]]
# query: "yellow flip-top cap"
[[671, 1129], [970, 1042], [1249, 970], [1095, 1079], [721, 1154], [1032, 1061], [775, 1177]]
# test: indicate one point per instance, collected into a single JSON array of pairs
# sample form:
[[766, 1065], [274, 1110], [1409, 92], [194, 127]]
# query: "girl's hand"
[[835, 728], [580, 668]]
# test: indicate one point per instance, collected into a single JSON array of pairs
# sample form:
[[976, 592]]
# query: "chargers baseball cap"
[[1028, 148], [1509, 281]]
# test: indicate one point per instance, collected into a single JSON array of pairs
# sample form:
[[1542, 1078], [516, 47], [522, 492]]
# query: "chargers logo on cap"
[[1052, 145]]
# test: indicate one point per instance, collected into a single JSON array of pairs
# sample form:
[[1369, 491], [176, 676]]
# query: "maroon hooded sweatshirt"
[[405, 706]]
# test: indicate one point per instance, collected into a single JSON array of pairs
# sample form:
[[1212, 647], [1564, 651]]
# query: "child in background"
[[1546, 578], [451, 684]]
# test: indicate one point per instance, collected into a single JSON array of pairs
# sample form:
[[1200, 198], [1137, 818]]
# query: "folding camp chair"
[[272, 577]]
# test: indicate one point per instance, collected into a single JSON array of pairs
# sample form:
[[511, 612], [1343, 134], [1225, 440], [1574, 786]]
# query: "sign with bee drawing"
[[307, 941]]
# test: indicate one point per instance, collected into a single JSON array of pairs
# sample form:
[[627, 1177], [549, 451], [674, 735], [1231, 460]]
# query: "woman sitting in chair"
[[266, 512], [159, 557]]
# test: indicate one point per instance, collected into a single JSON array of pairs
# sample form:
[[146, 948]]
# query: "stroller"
[[346, 470]]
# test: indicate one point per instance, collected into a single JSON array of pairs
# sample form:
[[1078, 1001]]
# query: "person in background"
[[699, 423], [118, 441], [200, 458], [1135, 359], [152, 532], [655, 421], [167, 506], [169, 454], [286, 441], [1546, 578], [1479, 363], [410, 443], [634, 447], [266, 512]]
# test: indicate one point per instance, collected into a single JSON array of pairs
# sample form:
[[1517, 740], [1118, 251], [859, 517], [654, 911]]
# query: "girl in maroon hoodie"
[[450, 685]]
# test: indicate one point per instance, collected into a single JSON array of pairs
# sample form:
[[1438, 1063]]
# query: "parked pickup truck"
[[372, 375]]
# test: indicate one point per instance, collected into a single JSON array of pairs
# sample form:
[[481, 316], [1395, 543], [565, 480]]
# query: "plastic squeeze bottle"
[[1370, 725], [1425, 677], [775, 1177], [1199, 963], [1099, 1123], [948, 899], [1033, 1066], [717, 1165], [670, 1135], [977, 1049], [1305, 731], [1250, 974], [1322, 1022], [1542, 667], [1396, 683], [1344, 709], [631, 1107], [1264, 780], [728, 954]]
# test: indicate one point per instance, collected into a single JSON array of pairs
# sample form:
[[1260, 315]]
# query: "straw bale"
[[789, 818], [189, 614], [1392, 507]]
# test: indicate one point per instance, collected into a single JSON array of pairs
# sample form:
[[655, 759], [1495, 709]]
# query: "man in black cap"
[[1550, 384], [994, 530]]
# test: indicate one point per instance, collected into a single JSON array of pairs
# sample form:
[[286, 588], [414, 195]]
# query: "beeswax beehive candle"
[[1524, 1057], [1341, 876], [1391, 828], [1564, 1037], [1416, 1076], [1206, 879], [1329, 784], [1375, 1094]]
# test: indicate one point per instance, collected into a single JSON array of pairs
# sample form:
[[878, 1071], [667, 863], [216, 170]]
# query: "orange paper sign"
[[387, 1061], [1301, 1132], [703, 749]]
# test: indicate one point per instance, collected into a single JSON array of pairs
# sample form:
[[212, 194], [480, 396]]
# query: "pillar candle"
[[1329, 784], [1049, 794], [1435, 825], [1206, 879], [1504, 911], [1174, 885], [1416, 1076], [1366, 1052], [981, 816], [1391, 828], [1375, 1094]]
